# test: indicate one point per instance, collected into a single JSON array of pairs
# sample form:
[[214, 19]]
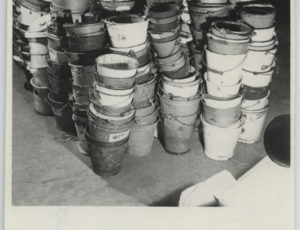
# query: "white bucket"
[[116, 65], [225, 66], [260, 35], [227, 78], [254, 122], [257, 79], [255, 104], [220, 143], [219, 90], [127, 34], [223, 104], [113, 97], [135, 49], [181, 89], [259, 60], [38, 61]]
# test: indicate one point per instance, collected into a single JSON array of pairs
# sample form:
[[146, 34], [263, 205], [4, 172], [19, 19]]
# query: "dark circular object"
[[277, 140]]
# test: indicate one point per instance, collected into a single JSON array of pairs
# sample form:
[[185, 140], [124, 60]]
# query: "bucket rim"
[[110, 22], [238, 124], [163, 94], [98, 87], [216, 37], [222, 85], [133, 65], [236, 55], [123, 116]]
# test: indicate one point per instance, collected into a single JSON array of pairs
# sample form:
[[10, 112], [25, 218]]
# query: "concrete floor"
[[48, 169]]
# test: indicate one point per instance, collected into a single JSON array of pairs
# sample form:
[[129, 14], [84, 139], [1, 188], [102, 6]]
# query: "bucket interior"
[[126, 19]]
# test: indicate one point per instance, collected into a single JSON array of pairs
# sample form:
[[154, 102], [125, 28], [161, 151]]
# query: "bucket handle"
[[264, 73], [218, 71], [172, 117]]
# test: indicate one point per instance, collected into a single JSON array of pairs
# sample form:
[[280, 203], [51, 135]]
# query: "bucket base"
[[249, 141], [178, 154], [217, 158]]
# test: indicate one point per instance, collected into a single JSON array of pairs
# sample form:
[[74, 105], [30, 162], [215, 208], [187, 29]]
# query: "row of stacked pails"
[[119, 91], [240, 61]]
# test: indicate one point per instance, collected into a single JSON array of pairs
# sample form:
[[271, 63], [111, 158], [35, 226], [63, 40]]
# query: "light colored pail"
[[254, 122], [220, 143]]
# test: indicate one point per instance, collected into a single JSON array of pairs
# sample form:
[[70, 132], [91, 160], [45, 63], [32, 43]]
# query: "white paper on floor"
[[203, 194]]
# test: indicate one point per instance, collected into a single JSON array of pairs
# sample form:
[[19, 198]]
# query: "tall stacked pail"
[[226, 51], [85, 41], [258, 68], [179, 108], [202, 13]]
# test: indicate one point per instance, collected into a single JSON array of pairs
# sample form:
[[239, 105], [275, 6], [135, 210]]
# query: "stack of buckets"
[[111, 114], [164, 32], [38, 67], [59, 73], [179, 110], [202, 13], [258, 69], [144, 100], [226, 51], [85, 41], [28, 13]]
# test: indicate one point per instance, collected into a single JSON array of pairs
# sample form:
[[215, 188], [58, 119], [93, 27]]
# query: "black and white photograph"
[[151, 103]]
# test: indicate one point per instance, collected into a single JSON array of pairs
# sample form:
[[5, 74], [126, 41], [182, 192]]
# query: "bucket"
[[113, 97], [145, 91], [174, 66], [116, 65], [109, 128], [232, 30], [177, 132], [254, 122], [221, 90], [142, 53], [255, 104], [106, 158], [222, 113], [38, 61], [83, 58], [83, 76], [257, 79], [62, 111], [162, 10], [259, 15], [83, 28], [186, 89], [261, 35], [75, 6], [28, 16], [57, 56], [259, 60], [40, 76], [227, 46], [118, 6], [86, 42], [141, 139], [81, 95], [220, 143], [120, 30], [40, 103], [224, 65]]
